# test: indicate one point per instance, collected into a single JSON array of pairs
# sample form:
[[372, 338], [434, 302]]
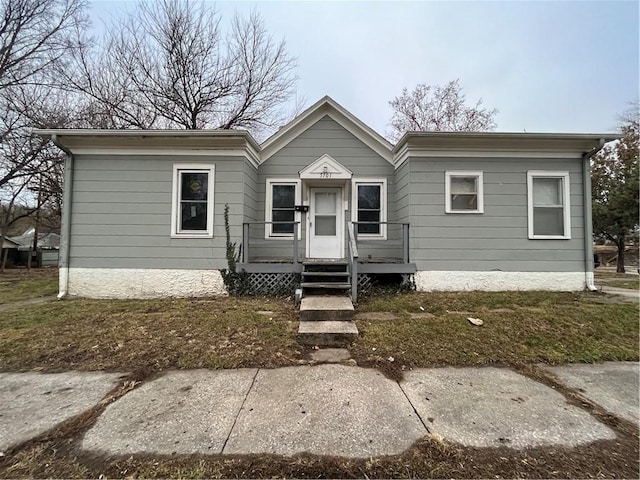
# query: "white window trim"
[[531, 174], [268, 207], [175, 200], [447, 190], [382, 182]]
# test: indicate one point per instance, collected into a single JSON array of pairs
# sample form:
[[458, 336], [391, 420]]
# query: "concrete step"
[[327, 334], [326, 308]]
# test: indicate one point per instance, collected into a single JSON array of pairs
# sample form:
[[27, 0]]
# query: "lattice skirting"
[[286, 283], [273, 283], [368, 281]]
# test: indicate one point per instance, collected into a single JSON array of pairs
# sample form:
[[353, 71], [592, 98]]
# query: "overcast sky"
[[555, 66]]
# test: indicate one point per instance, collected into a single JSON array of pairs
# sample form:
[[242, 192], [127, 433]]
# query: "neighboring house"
[[144, 210], [46, 254]]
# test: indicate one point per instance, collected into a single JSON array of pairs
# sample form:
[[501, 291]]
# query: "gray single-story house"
[[144, 209]]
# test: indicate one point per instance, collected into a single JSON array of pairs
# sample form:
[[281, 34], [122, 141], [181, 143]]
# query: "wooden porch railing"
[[352, 243], [245, 239], [405, 235]]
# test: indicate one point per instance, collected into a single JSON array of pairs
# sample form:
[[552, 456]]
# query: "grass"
[[519, 328], [617, 280], [150, 335], [23, 284], [232, 332]]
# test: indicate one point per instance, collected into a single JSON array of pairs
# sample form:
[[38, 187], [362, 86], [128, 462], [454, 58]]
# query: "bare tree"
[[34, 34], [435, 108], [169, 65]]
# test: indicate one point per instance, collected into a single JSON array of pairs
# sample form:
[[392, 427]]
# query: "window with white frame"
[[192, 206], [282, 195], [369, 203], [548, 205], [464, 192]]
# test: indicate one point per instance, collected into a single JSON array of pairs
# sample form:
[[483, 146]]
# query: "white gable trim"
[[325, 168], [326, 107]]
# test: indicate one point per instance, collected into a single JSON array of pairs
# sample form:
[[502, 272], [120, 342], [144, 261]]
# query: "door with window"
[[325, 223]]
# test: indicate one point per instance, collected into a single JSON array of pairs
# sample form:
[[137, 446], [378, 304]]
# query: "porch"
[[287, 259]]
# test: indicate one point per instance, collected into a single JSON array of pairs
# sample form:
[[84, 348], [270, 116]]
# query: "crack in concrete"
[[235, 420], [414, 408]]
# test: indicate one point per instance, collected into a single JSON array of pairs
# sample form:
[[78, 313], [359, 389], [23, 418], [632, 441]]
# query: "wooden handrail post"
[[245, 243], [295, 242], [354, 280]]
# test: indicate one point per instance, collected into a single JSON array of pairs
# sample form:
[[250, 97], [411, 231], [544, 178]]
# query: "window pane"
[[369, 216], [325, 225], [464, 202], [547, 191], [284, 196], [283, 216], [325, 203], [193, 186], [548, 221], [464, 185], [369, 197], [193, 216]]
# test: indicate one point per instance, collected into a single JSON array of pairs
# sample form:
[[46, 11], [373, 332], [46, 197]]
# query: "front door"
[[325, 222]]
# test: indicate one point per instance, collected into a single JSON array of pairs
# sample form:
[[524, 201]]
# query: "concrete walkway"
[[329, 409], [623, 292], [28, 301]]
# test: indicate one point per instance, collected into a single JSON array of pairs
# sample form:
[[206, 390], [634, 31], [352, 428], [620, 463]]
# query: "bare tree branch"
[[437, 108], [169, 66]]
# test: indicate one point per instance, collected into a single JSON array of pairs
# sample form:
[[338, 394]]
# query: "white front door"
[[325, 223]]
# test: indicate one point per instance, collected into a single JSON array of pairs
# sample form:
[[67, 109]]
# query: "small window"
[[463, 192], [370, 207], [192, 209], [281, 199], [548, 205]]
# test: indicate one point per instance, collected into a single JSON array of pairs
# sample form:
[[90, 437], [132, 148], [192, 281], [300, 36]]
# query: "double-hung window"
[[464, 192], [192, 206], [281, 198], [369, 207], [548, 205]]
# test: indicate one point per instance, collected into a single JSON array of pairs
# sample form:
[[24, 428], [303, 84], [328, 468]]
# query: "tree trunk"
[[3, 260], [620, 262]]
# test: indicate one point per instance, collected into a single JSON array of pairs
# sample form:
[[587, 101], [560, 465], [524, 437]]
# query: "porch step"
[[325, 274], [327, 334], [326, 308], [329, 286], [324, 262]]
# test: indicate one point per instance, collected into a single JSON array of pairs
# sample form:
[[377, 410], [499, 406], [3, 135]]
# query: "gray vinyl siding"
[[403, 188], [250, 192], [324, 137], [121, 216], [498, 238]]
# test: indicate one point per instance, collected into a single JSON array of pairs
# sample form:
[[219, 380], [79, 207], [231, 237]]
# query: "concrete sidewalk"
[[328, 409], [634, 295]]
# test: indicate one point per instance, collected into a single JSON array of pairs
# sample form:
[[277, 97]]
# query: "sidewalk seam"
[[235, 420], [414, 408]]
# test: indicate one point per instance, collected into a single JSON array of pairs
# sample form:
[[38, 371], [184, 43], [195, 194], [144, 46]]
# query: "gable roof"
[[326, 106]]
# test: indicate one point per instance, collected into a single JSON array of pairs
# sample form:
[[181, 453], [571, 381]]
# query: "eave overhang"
[[155, 142], [434, 144]]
